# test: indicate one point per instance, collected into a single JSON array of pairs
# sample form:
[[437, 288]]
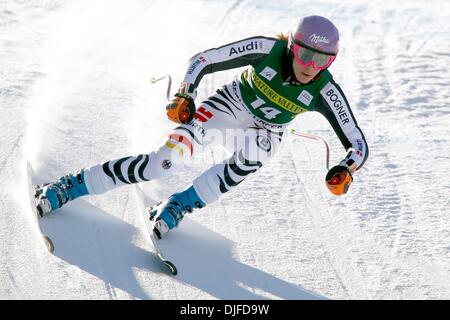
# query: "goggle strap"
[[312, 49]]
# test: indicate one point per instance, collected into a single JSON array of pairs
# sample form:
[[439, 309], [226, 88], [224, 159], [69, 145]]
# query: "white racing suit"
[[221, 119]]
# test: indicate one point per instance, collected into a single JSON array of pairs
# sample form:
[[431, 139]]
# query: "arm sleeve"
[[251, 51], [334, 106]]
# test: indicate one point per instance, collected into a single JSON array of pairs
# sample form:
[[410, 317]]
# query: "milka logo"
[[318, 39], [251, 46]]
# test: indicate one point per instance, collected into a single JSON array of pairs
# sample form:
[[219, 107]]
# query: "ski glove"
[[338, 180], [181, 109]]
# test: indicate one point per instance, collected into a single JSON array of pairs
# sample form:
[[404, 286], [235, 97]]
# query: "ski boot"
[[167, 215], [52, 196]]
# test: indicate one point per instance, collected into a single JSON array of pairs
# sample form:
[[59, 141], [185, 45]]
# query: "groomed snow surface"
[[75, 91]]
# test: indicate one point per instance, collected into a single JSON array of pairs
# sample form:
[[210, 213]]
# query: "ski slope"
[[75, 91]]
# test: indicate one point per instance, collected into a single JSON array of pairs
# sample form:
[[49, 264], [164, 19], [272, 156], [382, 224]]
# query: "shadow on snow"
[[102, 245]]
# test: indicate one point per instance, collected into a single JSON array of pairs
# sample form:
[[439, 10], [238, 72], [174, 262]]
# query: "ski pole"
[[154, 80], [313, 137]]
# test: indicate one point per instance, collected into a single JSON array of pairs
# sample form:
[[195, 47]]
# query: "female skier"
[[286, 76]]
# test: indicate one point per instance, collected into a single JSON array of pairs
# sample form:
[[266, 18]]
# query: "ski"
[[47, 242], [145, 214]]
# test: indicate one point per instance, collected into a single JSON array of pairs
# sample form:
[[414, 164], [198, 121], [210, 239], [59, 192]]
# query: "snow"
[[75, 91]]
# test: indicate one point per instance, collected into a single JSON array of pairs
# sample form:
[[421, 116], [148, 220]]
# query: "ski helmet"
[[314, 40]]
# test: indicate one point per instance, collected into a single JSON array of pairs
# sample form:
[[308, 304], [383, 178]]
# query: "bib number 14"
[[269, 112]]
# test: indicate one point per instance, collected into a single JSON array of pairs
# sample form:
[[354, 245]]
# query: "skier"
[[286, 76]]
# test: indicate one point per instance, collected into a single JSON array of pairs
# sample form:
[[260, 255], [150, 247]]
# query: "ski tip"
[[39, 211], [29, 168], [157, 233], [173, 270], [49, 244]]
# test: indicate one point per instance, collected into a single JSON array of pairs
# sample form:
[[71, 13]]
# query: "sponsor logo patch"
[[305, 97], [318, 39], [254, 45], [360, 145], [196, 63], [360, 148], [264, 143], [198, 128], [337, 103], [268, 73], [166, 164]]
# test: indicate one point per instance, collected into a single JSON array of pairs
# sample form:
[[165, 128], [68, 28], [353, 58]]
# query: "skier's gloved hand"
[[338, 179], [181, 109]]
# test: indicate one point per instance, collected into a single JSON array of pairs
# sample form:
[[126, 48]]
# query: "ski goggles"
[[307, 56]]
